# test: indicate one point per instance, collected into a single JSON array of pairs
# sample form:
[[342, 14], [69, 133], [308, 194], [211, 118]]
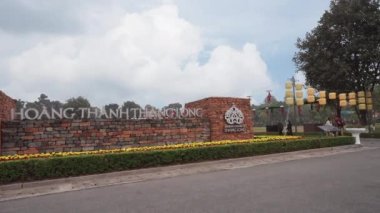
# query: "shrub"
[[57, 167], [370, 135]]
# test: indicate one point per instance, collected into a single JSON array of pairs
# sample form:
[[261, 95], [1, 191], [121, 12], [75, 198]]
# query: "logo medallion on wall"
[[234, 118]]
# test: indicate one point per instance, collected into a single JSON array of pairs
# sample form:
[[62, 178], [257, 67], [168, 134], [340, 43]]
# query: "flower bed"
[[149, 148], [84, 163]]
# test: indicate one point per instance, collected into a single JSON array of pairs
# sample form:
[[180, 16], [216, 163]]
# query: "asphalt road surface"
[[340, 183]]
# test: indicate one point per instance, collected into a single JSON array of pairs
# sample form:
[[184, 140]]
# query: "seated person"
[[329, 123], [340, 124]]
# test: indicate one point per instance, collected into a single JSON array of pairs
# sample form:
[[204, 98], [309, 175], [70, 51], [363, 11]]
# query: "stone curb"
[[29, 189]]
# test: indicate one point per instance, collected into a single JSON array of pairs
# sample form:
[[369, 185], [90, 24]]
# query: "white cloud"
[[300, 77], [149, 57]]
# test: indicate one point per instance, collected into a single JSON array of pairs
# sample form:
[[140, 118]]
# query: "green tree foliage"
[[109, 107], [76, 103], [131, 105], [343, 52], [269, 113], [20, 104], [376, 98], [173, 106], [42, 102]]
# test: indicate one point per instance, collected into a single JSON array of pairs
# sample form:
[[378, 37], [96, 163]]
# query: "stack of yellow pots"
[[322, 98], [342, 99], [289, 100], [299, 94], [332, 95], [361, 100], [369, 101], [352, 99], [310, 95]]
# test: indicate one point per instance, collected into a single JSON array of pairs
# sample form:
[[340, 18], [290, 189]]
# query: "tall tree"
[[343, 52], [173, 106], [42, 102], [20, 104], [110, 107], [131, 105], [376, 98], [78, 102]]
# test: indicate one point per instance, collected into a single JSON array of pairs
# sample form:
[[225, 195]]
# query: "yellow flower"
[[151, 148]]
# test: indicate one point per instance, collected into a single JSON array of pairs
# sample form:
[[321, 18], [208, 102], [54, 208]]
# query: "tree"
[[150, 107], [130, 105], [343, 52], [376, 98], [110, 107], [76, 103], [42, 102], [173, 106], [20, 104]]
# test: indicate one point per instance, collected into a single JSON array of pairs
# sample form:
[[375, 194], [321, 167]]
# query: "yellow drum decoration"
[[368, 94], [310, 91], [343, 103], [288, 85], [322, 101], [369, 100], [369, 107], [299, 101], [361, 94], [299, 94], [299, 86], [342, 96], [332, 95], [322, 94], [289, 101], [288, 93], [361, 100], [362, 107], [352, 95], [310, 99], [352, 102]]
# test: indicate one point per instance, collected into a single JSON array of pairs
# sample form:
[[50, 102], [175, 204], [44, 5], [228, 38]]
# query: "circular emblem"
[[234, 116]]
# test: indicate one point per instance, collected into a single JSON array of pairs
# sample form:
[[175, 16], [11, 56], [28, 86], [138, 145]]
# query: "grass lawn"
[[262, 129], [377, 127]]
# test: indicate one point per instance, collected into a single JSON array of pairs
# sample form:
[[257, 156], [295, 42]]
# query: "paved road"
[[340, 183]]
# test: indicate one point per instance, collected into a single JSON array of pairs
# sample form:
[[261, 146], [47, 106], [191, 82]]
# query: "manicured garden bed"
[[75, 164]]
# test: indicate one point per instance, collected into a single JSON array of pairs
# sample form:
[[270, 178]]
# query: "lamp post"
[[293, 80]]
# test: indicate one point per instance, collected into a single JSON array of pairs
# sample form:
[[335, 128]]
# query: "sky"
[[151, 51]]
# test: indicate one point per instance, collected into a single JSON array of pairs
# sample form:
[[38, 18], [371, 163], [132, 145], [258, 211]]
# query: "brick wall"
[[214, 109], [6, 104], [22, 137]]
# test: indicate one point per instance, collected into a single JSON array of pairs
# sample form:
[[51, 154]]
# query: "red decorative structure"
[[214, 108]]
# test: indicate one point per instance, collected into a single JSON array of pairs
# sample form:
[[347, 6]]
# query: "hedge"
[[370, 135], [58, 167]]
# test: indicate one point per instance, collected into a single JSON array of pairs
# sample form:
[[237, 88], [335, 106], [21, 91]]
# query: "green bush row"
[[38, 169], [370, 135]]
